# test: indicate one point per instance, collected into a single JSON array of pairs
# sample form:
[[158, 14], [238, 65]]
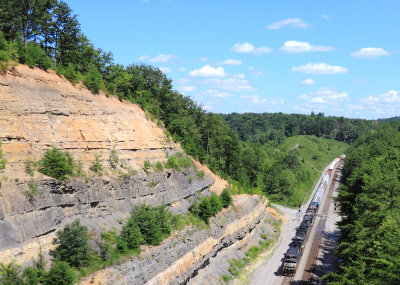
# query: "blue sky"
[[336, 57]]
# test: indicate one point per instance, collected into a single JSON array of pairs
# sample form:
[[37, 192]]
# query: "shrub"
[[172, 163], [73, 245], [10, 274], [215, 203], [93, 80], [3, 161], [60, 274], [114, 159], [32, 189], [131, 235], [96, 165], [205, 211], [29, 167], [4, 53], [159, 166], [200, 174], [147, 164], [70, 73], [56, 163], [35, 56], [226, 198]]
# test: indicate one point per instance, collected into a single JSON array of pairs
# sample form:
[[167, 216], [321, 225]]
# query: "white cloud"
[[324, 95], [319, 68], [390, 97], [203, 59], [207, 108], [217, 94], [162, 58], [382, 105], [249, 48], [231, 62], [257, 100], [165, 69], [326, 17], [370, 52], [308, 81], [143, 57], [230, 84], [296, 47], [182, 69], [291, 22], [184, 89], [251, 68], [259, 73], [208, 71]]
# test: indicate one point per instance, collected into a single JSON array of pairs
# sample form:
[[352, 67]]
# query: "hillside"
[[315, 154]]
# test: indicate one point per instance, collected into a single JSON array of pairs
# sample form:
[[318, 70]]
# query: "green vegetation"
[[56, 163], [96, 166], [72, 245], [33, 190], [3, 161], [369, 200], [177, 161], [200, 174], [113, 159], [236, 265], [210, 206]]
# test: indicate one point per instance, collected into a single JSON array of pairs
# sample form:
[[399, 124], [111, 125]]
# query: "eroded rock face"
[[40, 109], [180, 256]]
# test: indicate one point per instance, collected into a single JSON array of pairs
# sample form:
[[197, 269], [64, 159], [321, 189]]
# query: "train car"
[[291, 259]]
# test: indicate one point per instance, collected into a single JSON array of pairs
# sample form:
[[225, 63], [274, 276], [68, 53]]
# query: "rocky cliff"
[[39, 110]]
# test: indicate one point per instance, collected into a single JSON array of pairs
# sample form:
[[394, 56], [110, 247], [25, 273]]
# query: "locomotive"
[[293, 255]]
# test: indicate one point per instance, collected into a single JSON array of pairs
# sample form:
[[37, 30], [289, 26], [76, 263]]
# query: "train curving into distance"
[[293, 255]]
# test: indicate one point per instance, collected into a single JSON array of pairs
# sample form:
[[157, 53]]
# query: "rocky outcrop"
[[40, 109], [179, 257]]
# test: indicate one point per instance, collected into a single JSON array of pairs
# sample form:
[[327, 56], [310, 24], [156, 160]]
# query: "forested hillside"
[[370, 206], [275, 127], [46, 34]]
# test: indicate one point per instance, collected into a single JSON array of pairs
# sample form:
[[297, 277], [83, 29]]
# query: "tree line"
[[369, 198]]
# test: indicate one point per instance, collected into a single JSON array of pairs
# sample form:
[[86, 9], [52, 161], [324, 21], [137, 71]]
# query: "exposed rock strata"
[[100, 203], [179, 257]]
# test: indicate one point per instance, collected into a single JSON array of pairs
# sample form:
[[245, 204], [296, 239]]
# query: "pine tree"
[[226, 198]]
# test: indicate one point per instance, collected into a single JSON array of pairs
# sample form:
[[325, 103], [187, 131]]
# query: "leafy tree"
[[146, 219], [10, 274], [131, 235], [226, 198], [215, 203], [56, 163], [205, 211], [60, 274], [72, 244], [35, 56], [93, 80]]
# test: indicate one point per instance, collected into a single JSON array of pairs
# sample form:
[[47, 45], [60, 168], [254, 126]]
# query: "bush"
[[131, 235], [3, 161], [35, 56], [60, 274], [70, 73], [200, 174], [172, 163], [4, 53], [114, 159], [215, 203], [97, 166], [226, 198], [56, 163], [159, 166], [73, 246], [93, 80]]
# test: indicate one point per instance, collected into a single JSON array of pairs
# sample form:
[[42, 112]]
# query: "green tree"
[[147, 220], [93, 80], [56, 163], [10, 274], [60, 274], [215, 203], [226, 198], [205, 211], [131, 234], [72, 245]]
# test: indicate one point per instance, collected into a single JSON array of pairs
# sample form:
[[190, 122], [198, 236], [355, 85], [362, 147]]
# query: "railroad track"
[[308, 275]]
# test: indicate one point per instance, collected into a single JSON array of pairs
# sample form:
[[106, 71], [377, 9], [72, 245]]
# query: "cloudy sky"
[[338, 57]]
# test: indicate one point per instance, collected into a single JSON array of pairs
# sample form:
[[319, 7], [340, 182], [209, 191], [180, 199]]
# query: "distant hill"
[[391, 119], [277, 126]]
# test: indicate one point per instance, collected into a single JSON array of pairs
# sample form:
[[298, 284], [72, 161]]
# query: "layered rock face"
[[39, 110]]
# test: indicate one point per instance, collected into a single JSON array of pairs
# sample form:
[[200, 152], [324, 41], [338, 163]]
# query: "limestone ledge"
[[180, 256]]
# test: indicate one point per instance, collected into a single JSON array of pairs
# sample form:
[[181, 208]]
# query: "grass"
[[316, 152]]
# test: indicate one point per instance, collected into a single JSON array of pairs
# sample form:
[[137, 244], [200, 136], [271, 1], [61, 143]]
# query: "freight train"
[[293, 255]]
